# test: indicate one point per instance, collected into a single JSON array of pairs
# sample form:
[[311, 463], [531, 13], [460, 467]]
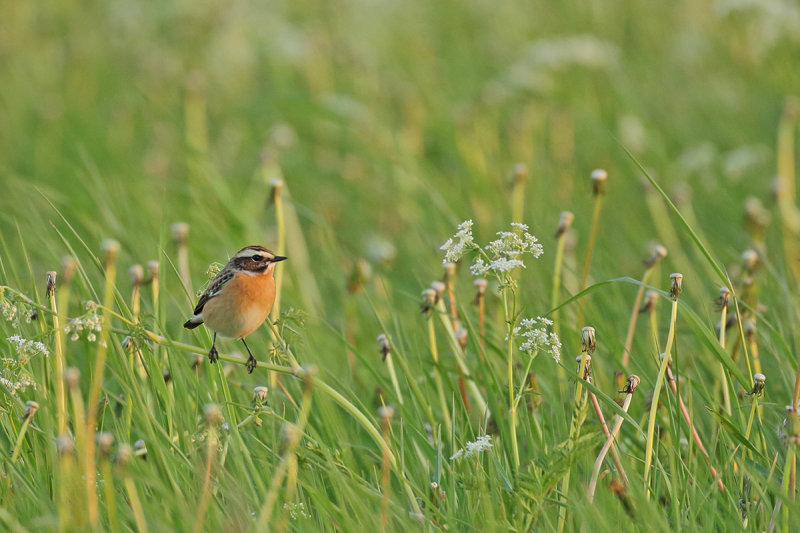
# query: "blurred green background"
[[390, 122]]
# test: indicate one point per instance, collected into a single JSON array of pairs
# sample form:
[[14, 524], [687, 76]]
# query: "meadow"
[[498, 217]]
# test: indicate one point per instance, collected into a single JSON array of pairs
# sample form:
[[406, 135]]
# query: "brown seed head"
[[65, 444], [649, 302], [676, 280], [588, 342], [124, 454], [212, 413], [438, 286], [136, 272], [260, 395], [110, 248], [30, 409], [275, 188], [750, 260], [599, 177], [384, 346], [152, 270], [51, 283], [180, 233], [724, 296], [72, 377], [659, 253], [564, 222], [633, 382], [449, 272], [461, 336], [68, 266], [104, 442], [519, 173]]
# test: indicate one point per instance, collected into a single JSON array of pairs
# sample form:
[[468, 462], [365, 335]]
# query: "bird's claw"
[[213, 355], [251, 364]]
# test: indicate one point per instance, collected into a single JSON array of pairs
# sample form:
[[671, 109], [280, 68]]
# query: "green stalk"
[[437, 377], [651, 423], [277, 200], [58, 360], [626, 353], [726, 397], [510, 318]]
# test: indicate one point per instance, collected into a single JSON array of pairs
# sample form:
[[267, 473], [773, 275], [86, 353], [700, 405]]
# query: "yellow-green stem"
[[437, 377], [626, 353], [587, 264], [726, 397], [135, 504], [651, 422], [281, 250], [61, 396]]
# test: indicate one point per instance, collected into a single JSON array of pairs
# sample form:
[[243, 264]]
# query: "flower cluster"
[[482, 443], [27, 348], [296, 510], [500, 256], [537, 338], [18, 383], [91, 323], [12, 311], [458, 244]]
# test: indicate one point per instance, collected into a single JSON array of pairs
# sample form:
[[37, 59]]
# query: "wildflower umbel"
[[458, 244], [537, 338], [27, 348], [482, 443]]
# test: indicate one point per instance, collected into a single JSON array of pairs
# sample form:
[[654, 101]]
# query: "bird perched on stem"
[[238, 299]]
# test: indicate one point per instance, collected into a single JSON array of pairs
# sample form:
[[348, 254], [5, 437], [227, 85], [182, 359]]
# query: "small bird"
[[238, 299]]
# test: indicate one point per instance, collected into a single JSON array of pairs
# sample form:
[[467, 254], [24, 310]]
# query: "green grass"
[[390, 124]]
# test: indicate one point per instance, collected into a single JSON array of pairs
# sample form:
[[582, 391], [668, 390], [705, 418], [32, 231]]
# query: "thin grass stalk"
[[59, 359], [518, 181], [787, 195], [607, 433], [180, 236], [111, 249], [104, 442], [726, 397], [633, 382], [510, 317], [564, 223], [72, 380], [276, 186], [599, 177], [429, 301], [588, 345], [659, 253], [449, 281], [480, 285], [292, 435], [30, 409], [386, 352], [124, 454], [385, 416], [212, 414], [651, 423], [67, 476], [696, 436]]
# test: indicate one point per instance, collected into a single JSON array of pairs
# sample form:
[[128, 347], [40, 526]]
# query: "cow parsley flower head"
[[482, 443], [455, 247], [505, 253], [537, 338], [28, 348]]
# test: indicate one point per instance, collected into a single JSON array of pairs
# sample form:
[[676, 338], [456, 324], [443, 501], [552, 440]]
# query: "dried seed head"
[[152, 269], [480, 285], [212, 413], [136, 272], [587, 371], [110, 247], [461, 336], [124, 454], [141, 448], [275, 187], [167, 376], [72, 377], [449, 272], [650, 301], [659, 253], [599, 177], [289, 435], [588, 343], [65, 444], [197, 361], [180, 232], [385, 413], [724, 296], [759, 380], [384, 346], [260, 395], [104, 442], [676, 280], [633, 382], [564, 222], [51, 283], [30, 409], [429, 299], [68, 266], [749, 260], [438, 286]]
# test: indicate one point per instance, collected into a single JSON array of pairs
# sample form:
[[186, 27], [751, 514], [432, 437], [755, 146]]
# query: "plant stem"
[[437, 377], [651, 423], [61, 396], [626, 353]]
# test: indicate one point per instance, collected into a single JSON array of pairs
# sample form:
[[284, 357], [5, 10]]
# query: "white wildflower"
[[296, 510], [538, 339], [28, 348], [482, 443], [455, 247]]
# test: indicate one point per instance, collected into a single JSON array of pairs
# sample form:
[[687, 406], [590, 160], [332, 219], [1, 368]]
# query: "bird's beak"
[[279, 258]]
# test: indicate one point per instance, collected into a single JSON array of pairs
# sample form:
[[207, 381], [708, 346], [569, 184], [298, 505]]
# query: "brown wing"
[[213, 289]]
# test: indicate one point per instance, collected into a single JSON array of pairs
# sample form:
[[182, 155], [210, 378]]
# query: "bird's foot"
[[213, 355], [251, 364]]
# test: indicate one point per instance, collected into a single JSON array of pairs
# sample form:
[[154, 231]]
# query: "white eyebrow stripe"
[[252, 253]]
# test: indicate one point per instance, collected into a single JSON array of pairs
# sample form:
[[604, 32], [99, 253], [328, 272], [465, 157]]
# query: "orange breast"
[[243, 305]]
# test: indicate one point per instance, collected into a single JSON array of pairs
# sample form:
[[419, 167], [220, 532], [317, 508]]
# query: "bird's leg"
[[251, 361], [213, 355]]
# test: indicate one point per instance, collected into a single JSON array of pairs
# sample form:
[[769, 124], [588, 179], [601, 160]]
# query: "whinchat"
[[238, 299]]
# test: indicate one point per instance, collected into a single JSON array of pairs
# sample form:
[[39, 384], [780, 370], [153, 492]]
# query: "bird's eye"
[[258, 258]]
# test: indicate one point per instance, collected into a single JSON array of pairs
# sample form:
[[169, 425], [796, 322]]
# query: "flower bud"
[[384, 346], [588, 343], [30, 409], [599, 177], [676, 287], [180, 232], [260, 395], [136, 272], [564, 223], [51, 283]]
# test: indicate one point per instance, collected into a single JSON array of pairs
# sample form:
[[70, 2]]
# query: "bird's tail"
[[193, 322]]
